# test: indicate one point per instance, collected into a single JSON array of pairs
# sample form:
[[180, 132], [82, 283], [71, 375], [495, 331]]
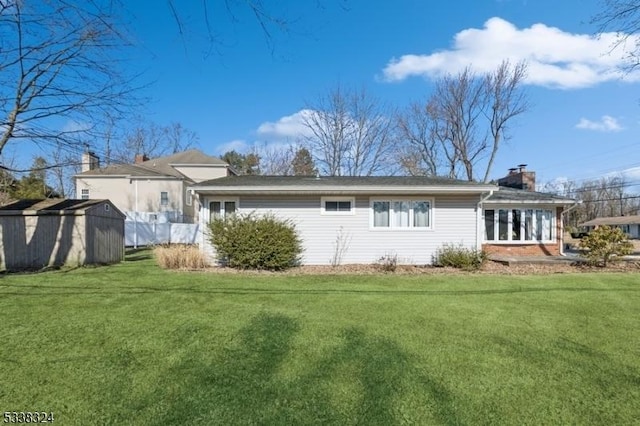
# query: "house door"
[[221, 208]]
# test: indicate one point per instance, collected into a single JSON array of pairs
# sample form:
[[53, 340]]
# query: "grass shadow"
[[137, 254], [362, 380]]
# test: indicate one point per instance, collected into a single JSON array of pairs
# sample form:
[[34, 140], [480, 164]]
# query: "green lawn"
[[132, 344]]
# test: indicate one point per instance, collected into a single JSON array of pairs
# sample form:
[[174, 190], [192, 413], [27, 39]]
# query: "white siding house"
[[358, 219]]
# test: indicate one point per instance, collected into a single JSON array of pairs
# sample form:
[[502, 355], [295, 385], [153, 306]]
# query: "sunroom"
[[518, 222]]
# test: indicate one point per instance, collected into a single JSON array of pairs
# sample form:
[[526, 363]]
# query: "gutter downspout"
[[576, 204], [479, 219], [135, 220]]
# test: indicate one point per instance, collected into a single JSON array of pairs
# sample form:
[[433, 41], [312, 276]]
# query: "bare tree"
[[351, 133], [607, 196], [152, 140], [457, 106], [274, 160], [58, 60], [272, 18], [67, 165], [463, 123], [7, 179], [179, 138], [506, 101], [623, 18], [422, 153]]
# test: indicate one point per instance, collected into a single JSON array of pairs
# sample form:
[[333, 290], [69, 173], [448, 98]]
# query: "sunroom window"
[[518, 225]]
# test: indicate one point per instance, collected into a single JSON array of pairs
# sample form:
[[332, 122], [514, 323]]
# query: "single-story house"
[[53, 232], [630, 225], [366, 218]]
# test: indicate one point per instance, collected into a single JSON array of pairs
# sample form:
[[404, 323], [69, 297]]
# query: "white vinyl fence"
[[146, 233]]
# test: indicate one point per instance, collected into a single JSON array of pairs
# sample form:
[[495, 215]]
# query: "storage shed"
[[54, 232]]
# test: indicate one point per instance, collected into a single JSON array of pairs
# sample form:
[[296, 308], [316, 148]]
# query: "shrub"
[[256, 242], [388, 263], [459, 256], [180, 256], [603, 244]]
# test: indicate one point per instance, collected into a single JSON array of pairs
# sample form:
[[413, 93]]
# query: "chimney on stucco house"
[[90, 161], [519, 178], [140, 158]]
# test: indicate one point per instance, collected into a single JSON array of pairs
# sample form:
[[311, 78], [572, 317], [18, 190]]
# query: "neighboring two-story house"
[[151, 190]]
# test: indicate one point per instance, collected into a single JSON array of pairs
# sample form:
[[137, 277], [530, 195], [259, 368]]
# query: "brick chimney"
[[140, 158], [519, 178], [90, 161]]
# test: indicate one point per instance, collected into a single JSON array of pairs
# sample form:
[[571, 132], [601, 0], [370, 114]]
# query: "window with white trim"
[[401, 214], [520, 225], [221, 208], [84, 194], [337, 205], [164, 198], [187, 198]]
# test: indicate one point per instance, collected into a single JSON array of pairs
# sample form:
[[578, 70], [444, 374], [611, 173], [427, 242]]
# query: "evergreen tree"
[[244, 164], [303, 164], [34, 185]]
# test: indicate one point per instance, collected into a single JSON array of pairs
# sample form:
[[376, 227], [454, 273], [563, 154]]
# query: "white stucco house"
[[151, 189], [411, 217]]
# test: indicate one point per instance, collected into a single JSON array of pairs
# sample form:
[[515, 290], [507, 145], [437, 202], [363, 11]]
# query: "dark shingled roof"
[[161, 166], [331, 181], [49, 205], [510, 195]]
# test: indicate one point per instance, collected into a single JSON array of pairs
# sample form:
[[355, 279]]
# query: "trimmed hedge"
[[256, 242]]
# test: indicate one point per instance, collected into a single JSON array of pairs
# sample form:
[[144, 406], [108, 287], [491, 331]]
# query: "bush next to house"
[[459, 256], [604, 244], [256, 242]]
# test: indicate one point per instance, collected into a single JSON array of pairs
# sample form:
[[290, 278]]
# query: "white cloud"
[[237, 145], [606, 124], [555, 58], [290, 126], [73, 126], [631, 174]]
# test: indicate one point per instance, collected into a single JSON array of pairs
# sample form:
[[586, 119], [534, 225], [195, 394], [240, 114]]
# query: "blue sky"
[[241, 90]]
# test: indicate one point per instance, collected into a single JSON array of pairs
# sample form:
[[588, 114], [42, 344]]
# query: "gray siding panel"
[[36, 241], [454, 222]]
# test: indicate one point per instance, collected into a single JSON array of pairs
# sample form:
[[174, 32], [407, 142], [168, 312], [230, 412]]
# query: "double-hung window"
[[222, 208], [164, 198], [520, 225], [84, 194], [401, 214]]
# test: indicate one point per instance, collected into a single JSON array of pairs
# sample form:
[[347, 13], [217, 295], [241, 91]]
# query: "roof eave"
[[196, 165], [559, 202], [356, 190]]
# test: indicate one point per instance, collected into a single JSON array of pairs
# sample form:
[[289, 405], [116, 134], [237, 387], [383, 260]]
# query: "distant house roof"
[[617, 220], [158, 167], [55, 206], [519, 196], [337, 184]]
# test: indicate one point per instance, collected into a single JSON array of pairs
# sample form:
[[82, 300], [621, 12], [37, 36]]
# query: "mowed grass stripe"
[[134, 344]]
